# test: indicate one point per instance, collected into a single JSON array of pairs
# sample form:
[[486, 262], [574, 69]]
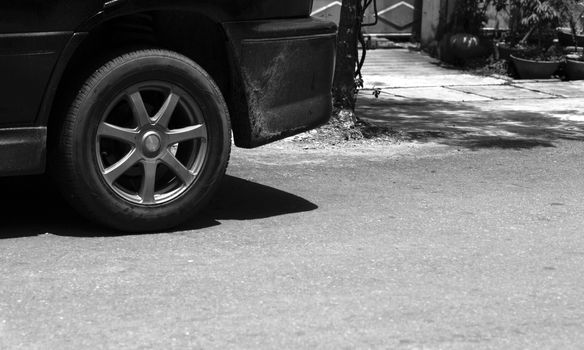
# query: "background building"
[[419, 20]]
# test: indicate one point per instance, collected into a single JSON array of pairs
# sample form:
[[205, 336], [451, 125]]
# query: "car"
[[131, 105]]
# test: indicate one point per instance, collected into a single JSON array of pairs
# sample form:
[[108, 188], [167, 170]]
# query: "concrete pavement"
[[412, 74], [466, 236], [436, 104], [411, 246]]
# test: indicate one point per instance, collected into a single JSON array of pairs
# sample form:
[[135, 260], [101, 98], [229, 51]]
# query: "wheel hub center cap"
[[151, 143]]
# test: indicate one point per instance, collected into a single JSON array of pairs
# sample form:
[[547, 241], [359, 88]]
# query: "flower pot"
[[574, 70], [529, 69], [466, 46], [461, 47]]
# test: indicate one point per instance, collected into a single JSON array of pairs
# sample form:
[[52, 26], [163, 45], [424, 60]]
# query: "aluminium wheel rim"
[[151, 143]]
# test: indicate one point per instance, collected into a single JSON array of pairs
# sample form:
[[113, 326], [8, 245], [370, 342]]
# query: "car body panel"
[[277, 88], [28, 16], [26, 64]]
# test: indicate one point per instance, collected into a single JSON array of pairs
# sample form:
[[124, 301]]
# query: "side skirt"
[[22, 151]]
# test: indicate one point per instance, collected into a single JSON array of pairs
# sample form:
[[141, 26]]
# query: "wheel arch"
[[166, 28]]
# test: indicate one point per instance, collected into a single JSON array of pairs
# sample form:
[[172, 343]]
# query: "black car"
[[130, 104]]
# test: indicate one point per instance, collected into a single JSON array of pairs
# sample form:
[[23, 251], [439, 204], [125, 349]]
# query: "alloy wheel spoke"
[[112, 173], [139, 109], [177, 168], [148, 182], [117, 133], [167, 110], [152, 123], [189, 133]]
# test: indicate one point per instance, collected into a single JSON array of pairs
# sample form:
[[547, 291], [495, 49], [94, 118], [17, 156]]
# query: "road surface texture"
[[466, 235]]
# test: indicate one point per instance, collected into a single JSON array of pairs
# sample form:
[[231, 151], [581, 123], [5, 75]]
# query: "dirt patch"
[[289, 151], [340, 132]]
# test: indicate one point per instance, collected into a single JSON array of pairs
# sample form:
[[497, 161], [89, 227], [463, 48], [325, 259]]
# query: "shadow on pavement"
[[33, 206], [474, 125], [239, 199]]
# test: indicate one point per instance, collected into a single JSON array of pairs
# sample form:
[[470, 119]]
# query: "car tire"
[[145, 142]]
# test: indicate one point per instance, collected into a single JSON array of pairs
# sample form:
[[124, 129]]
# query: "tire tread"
[[69, 177]]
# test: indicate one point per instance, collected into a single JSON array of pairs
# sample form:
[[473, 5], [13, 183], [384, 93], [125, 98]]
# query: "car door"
[[32, 35]]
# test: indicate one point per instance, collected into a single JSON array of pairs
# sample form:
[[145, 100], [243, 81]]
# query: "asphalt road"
[[419, 245]]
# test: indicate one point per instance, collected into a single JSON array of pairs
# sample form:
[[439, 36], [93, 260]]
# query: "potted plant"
[[535, 20], [463, 40], [572, 11], [574, 67]]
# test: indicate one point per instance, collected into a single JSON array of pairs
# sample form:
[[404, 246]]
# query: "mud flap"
[[285, 69]]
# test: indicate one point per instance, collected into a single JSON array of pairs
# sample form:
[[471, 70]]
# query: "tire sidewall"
[[91, 109]]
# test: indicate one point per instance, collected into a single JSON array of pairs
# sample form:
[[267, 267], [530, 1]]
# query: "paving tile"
[[502, 92], [427, 80], [436, 93], [567, 89], [404, 68], [416, 75]]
